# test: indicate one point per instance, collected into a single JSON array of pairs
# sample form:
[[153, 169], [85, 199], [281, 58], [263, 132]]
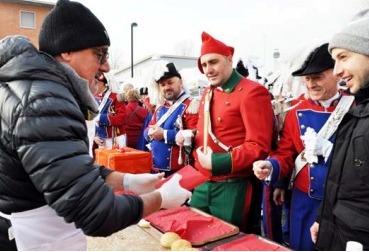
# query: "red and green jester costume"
[[242, 119]]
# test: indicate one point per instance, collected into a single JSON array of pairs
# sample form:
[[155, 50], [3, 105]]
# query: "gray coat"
[[44, 156]]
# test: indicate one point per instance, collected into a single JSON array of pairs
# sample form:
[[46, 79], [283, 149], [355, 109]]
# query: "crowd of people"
[[53, 193]]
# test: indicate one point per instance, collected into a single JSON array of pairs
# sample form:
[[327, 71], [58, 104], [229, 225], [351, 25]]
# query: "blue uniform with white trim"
[[308, 187], [165, 152]]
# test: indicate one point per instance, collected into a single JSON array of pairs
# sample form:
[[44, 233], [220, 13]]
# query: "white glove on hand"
[[179, 138], [204, 159], [172, 193], [315, 146], [141, 183], [310, 157], [184, 137]]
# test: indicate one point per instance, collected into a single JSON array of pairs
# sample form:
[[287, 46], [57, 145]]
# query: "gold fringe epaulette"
[[193, 107]]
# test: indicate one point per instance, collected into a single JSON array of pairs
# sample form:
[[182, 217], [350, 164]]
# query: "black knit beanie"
[[70, 27]]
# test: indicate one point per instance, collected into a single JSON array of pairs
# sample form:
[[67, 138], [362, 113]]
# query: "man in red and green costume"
[[234, 129]]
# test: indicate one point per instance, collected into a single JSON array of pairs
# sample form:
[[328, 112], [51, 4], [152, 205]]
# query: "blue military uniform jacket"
[[166, 152]]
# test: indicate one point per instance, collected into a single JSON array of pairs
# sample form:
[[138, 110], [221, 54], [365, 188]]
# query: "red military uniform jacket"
[[241, 118], [306, 114]]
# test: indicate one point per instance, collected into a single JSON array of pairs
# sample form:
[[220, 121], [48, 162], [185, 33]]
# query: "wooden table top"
[[133, 238]]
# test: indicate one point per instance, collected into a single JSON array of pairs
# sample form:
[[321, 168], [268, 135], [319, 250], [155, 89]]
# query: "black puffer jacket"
[[345, 208], [44, 155]]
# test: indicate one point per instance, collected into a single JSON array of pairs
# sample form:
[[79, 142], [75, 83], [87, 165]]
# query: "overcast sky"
[[254, 27]]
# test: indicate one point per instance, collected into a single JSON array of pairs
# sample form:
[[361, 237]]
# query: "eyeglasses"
[[102, 54]]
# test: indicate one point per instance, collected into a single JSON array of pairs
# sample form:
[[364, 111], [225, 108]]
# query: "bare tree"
[[184, 48], [116, 59]]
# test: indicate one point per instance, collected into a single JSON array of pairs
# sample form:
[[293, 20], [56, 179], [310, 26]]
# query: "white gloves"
[[184, 137], [141, 183], [262, 169], [179, 138], [204, 159], [315, 146], [172, 193]]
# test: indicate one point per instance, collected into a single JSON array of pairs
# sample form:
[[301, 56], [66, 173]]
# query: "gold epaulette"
[[193, 107]]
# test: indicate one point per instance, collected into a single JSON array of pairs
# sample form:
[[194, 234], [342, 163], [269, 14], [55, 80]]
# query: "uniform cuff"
[[221, 163]]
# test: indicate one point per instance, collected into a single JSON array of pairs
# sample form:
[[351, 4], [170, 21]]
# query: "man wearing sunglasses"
[[51, 192]]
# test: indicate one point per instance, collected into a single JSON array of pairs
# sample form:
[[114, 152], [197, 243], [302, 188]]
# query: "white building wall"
[[141, 67]]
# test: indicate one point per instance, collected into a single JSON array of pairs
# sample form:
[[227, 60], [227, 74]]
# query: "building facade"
[[187, 66], [23, 17], [141, 67]]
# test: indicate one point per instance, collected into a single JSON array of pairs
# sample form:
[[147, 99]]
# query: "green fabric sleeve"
[[221, 163]]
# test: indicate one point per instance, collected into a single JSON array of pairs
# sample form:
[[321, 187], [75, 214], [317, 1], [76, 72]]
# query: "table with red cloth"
[[148, 239]]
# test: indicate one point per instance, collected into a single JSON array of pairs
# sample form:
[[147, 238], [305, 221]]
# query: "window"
[[27, 19]]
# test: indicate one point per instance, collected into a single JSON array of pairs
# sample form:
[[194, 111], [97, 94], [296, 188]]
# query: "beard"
[[169, 96]]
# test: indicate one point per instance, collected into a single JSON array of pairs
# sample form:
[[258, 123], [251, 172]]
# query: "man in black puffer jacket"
[[345, 207], [51, 192]]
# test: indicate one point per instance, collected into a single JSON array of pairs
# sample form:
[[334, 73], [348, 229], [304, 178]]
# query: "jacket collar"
[[231, 83], [82, 91]]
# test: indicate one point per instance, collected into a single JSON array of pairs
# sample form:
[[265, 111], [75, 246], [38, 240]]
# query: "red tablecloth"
[[191, 225], [250, 242]]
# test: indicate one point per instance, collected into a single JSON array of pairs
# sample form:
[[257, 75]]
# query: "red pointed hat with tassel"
[[211, 45]]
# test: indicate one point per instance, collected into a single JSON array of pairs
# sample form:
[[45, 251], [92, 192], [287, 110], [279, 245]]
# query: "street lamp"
[[132, 25]]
